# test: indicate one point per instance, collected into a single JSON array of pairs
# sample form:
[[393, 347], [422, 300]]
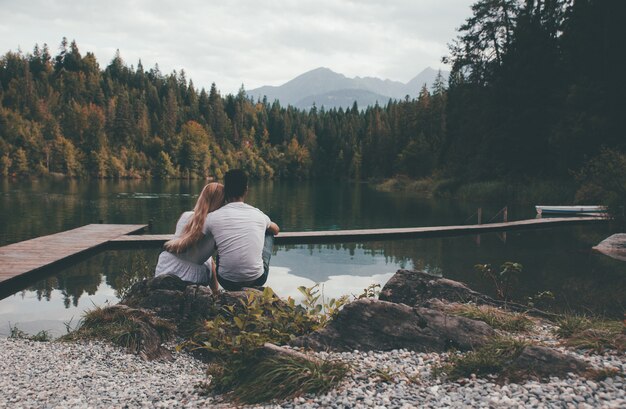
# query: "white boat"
[[581, 210]]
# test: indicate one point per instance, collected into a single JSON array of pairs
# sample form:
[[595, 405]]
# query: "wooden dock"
[[31, 256], [346, 236]]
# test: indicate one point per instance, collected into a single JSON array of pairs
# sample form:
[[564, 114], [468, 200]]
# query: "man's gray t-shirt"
[[239, 233]]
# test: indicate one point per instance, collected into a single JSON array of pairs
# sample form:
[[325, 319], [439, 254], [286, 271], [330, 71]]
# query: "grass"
[[264, 379], [495, 317], [385, 375], [41, 336], [122, 326], [570, 324], [596, 334], [491, 359]]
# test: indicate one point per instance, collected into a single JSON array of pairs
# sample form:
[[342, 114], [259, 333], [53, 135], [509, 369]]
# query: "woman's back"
[[189, 264], [201, 250]]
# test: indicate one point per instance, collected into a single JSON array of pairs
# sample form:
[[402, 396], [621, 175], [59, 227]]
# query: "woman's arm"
[[273, 228]]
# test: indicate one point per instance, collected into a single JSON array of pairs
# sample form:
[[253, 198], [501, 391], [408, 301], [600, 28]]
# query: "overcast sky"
[[235, 42]]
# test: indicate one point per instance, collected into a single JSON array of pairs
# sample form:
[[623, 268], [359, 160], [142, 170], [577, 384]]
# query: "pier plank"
[[33, 255], [333, 236]]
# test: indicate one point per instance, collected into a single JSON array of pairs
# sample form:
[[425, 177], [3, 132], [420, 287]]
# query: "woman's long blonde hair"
[[211, 198]]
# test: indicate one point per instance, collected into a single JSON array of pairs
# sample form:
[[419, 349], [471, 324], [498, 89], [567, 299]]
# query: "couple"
[[242, 235]]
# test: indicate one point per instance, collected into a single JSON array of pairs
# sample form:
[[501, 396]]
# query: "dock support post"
[[480, 215]]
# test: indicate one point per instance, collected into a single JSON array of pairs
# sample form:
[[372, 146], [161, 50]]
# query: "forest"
[[536, 92]]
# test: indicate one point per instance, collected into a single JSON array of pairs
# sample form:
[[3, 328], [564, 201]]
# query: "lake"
[[555, 259]]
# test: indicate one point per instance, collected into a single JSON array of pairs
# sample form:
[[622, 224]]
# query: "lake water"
[[556, 259]]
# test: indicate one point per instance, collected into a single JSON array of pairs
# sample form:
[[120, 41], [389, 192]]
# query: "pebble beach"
[[98, 375]]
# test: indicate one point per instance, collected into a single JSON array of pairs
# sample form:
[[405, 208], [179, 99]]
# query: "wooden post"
[[480, 221], [505, 215]]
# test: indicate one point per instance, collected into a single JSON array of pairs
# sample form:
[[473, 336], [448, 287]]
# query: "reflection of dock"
[[20, 262], [17, 260], [344, 236]]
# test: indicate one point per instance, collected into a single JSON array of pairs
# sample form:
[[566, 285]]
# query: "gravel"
[[98, 375]]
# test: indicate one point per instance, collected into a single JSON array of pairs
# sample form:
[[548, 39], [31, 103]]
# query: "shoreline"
[[96, 374]]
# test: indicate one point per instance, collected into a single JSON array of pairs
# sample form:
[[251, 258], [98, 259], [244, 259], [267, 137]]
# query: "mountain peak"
[[326, 87]]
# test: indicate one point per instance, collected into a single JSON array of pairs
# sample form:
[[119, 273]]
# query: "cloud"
[[254, 43]]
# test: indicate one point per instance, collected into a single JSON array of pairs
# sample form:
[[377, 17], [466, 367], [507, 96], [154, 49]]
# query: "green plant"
[[579, 331], [570, 324], [16, 333], [372, 291], [493, 358], [41, 336], [540, 296], [283, 377], [260, 318], [495, 317], [324, 312], [503, 280], [68, 325], [384, 374]]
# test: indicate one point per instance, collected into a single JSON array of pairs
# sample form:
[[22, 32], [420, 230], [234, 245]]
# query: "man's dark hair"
[[235, 184]]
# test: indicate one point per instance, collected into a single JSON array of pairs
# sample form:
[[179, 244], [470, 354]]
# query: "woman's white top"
[[194, 263]]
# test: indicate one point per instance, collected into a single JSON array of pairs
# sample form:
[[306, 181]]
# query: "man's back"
[[239, 232]]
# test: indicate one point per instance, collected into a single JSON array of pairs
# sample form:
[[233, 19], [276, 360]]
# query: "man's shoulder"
[[252, 209], [234, 209]]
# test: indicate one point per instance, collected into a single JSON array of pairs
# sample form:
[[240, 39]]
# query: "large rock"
[[179, 301], [417, 288], [543, 362], [371, 324], [163, 294], [613, 246]]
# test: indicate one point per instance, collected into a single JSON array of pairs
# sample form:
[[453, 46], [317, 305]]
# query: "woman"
[[188, 254]]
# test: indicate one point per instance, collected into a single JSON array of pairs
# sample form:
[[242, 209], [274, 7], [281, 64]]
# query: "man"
[[244, 237]]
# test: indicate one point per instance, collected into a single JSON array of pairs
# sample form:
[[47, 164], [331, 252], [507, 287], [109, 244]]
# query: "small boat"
[[579, 210]]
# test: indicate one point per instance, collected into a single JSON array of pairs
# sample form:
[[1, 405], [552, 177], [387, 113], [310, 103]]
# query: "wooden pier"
[[19, 262], [26, 257], [346, 236]]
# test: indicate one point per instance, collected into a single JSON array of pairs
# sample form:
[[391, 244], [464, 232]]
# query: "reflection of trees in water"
[[120, 268], [136, 269]]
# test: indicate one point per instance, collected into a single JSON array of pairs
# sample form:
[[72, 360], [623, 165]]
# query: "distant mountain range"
[[324, 87]]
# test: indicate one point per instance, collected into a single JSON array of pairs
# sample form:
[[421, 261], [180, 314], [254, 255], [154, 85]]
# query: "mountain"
[[324, 87]]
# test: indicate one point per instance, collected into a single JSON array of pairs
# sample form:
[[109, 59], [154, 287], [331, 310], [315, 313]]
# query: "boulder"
[[370, 324], [418, 288], [179, 301], [543, 362], [164, 295], [613, 246]]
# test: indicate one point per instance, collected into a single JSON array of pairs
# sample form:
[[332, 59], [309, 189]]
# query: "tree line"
[[535, 91], [63, 114]]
